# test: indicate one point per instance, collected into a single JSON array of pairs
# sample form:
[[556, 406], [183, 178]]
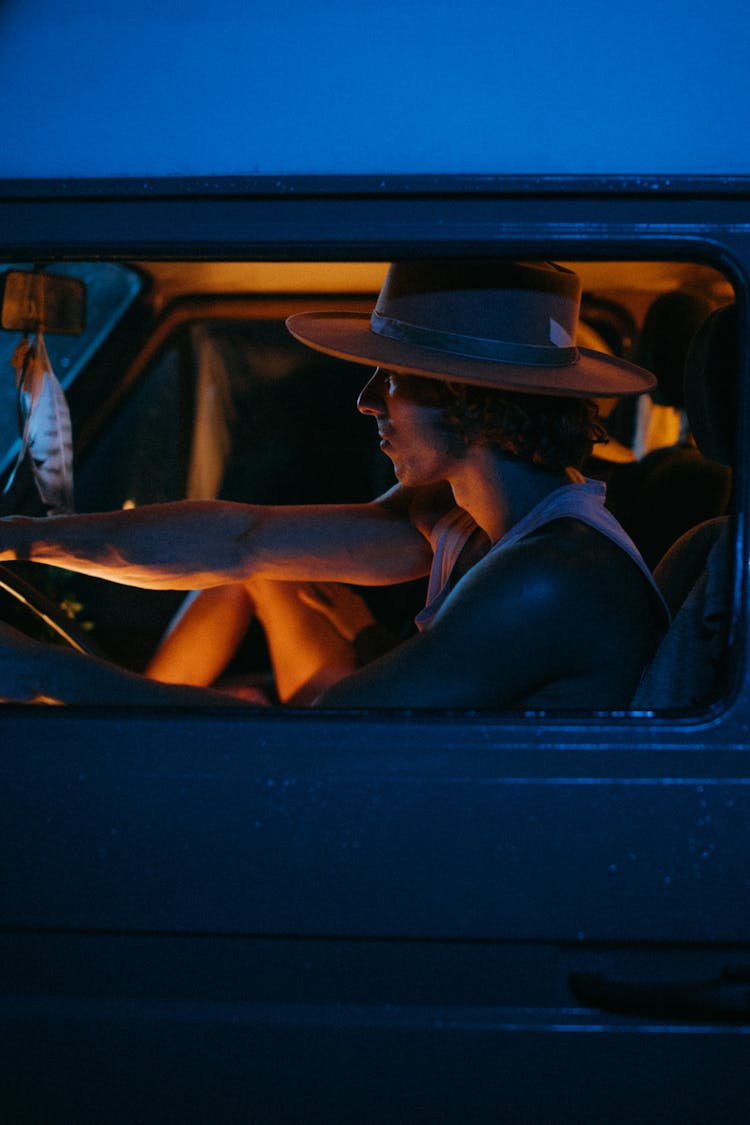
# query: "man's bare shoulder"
[[564, 612], [565, 563], [542, 624]]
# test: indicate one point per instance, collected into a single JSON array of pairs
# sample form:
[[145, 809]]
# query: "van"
[[274, 915]]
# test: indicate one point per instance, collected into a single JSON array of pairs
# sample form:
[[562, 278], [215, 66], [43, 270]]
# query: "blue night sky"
[[331, 86]]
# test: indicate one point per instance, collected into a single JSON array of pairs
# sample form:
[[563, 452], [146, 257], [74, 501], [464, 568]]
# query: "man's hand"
[[347, 611]]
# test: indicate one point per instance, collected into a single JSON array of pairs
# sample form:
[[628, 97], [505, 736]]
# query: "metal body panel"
[[162, 1062], [371, 917], [235, 826], [380, 225]]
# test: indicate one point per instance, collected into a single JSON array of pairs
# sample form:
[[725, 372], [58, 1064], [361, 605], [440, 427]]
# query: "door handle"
[[725, 998]]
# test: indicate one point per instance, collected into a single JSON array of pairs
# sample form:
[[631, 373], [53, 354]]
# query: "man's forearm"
[[178, 546], [198, 544]]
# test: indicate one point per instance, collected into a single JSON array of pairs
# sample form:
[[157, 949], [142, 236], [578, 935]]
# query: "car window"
[[234, 408], [110, 290], [220, 402]]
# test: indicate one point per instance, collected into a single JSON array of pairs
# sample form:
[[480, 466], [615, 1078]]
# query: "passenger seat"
[[691, 665], [671, 486]]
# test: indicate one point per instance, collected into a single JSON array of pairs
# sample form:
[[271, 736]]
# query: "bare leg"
[[308, 652], [203, 637]]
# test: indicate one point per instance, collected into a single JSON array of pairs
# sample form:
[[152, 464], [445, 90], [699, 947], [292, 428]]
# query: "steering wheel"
[[29, 610]]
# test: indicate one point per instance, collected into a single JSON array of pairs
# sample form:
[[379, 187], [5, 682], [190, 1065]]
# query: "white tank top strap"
[[450, 535]]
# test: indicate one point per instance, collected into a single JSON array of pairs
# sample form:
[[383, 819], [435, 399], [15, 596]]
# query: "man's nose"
[[370, 399]]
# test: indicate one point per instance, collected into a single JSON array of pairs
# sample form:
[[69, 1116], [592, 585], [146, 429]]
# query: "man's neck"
[[497, 491]]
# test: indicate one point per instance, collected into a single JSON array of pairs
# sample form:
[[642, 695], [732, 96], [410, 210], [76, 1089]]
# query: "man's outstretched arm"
[[198, 544]]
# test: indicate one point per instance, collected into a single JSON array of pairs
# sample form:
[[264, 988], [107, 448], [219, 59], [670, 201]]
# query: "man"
[[537, 598]]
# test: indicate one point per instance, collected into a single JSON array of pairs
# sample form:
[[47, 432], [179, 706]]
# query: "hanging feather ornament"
[[44, 420]]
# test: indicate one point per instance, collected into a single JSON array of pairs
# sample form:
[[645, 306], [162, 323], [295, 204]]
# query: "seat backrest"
[[674, 486], [689, 667], [666, 493]]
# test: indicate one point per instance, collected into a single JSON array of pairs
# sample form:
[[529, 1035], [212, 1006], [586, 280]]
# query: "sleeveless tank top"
[[582, 501]]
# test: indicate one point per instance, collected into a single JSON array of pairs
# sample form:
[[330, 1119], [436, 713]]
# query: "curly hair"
[[552, 431]]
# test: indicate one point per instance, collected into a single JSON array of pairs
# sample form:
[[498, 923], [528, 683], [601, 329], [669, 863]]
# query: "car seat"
[[673, 485], [691, 664]]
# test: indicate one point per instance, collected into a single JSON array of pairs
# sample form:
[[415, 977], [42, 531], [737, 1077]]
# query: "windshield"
[[110, 290]]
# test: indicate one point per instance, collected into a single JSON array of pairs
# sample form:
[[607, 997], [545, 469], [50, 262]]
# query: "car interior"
[[183, 382]]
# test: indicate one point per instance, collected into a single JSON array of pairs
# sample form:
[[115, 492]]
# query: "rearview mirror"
[[48, 301]]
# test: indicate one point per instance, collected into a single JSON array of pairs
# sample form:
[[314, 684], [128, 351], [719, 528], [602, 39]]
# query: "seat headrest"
[[669, 326], [711, 375]]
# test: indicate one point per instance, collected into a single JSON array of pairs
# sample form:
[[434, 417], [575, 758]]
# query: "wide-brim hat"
[[511, 326]]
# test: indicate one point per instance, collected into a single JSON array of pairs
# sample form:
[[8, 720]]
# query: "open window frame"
[[346, 219]]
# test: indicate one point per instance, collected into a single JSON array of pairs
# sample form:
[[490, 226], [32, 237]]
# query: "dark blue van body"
[[387, 917]]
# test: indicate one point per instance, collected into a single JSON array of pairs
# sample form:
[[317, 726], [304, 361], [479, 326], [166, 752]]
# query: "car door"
[[394, 916]]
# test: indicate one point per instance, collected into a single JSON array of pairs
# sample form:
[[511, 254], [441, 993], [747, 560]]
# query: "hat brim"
[[349, 336]]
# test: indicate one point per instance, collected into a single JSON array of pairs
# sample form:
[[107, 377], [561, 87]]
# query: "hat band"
[[474, 347]]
